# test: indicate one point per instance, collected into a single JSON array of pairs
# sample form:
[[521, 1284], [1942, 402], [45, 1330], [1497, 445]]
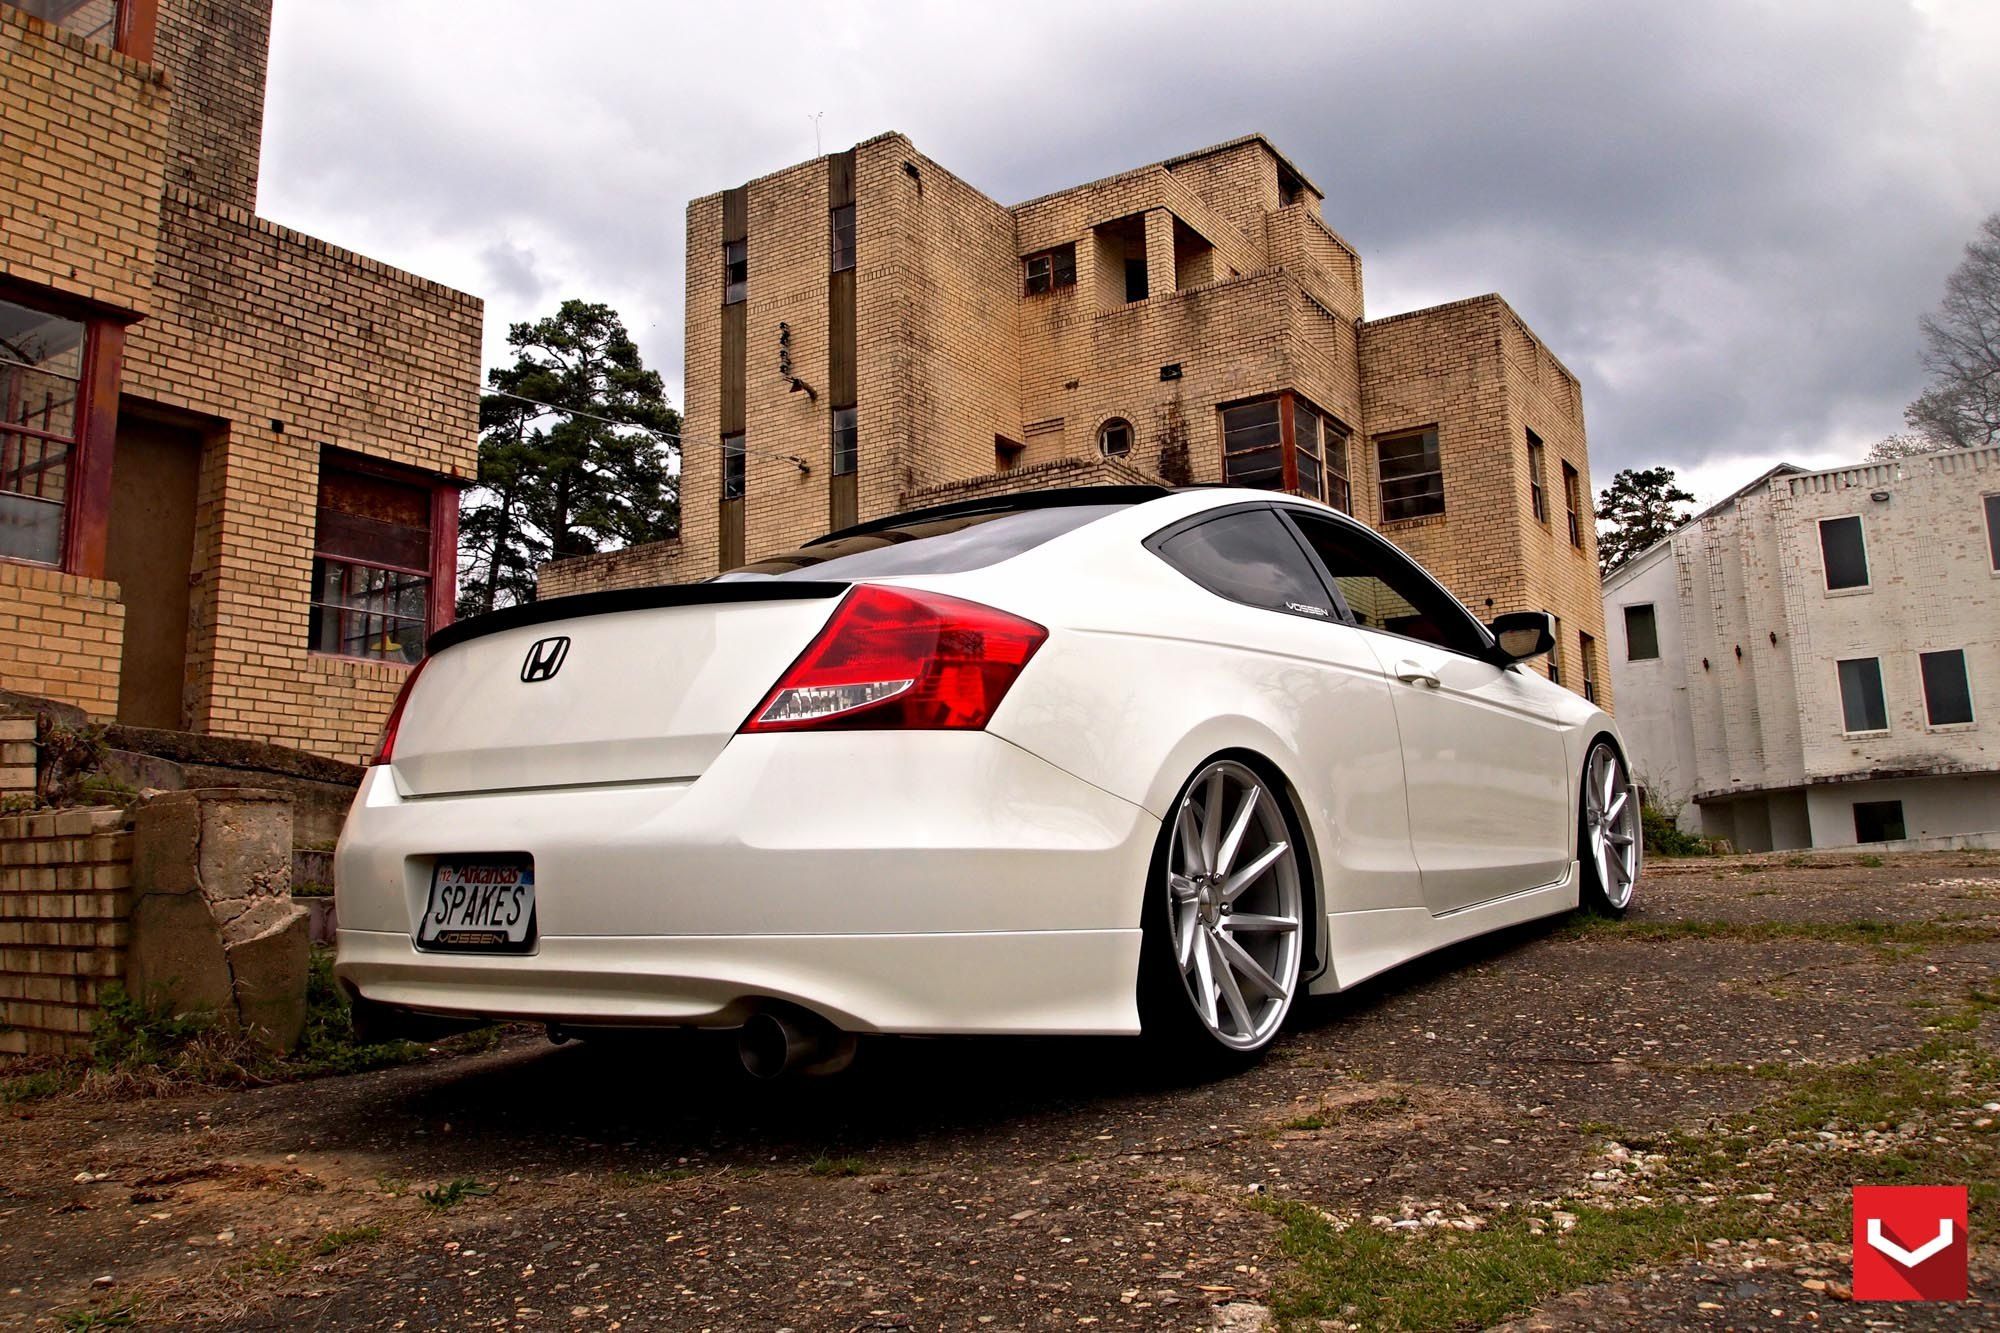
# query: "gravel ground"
[[1034, 1185]]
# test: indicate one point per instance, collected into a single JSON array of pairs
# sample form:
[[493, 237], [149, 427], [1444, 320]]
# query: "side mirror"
[[1523, 634]]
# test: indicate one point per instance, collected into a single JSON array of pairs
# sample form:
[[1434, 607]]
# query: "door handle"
[[1412, 674]]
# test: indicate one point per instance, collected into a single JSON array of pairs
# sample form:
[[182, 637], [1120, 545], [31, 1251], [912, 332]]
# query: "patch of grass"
[[393, 1186], [1306, 1122], [455, 1193], [658, 1175], [274, 1261], [1449, 1279], [836, 1167], [333, 1242], [37, 1084], [1862, 931], [89, 1317]]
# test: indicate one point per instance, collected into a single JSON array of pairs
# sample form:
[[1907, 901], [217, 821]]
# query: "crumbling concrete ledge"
[[214, 927]]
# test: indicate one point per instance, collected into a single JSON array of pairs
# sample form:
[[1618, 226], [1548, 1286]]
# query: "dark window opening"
[[1412, 476], [1993, 530], [1250, 446], [846, 437], [735, 271], [371, 567], [1114, 438], [1135, 279], [1587, 654], [1879, 821], [1252, 558], [1862, 706], [1642, 633], [1384, 590], [1947, 688], [1538, 502], [1844, 552], [841, 237], [1050, 269], [1555, 653], [1573, 501], [732, 467], [41, 425]]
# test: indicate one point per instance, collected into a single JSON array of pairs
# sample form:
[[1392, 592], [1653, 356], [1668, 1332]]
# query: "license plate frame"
[[476, 904]]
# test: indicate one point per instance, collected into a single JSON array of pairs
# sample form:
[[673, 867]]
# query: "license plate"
[[485, 902]]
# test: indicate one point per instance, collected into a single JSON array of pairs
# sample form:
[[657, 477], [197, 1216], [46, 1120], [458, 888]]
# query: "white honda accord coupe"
[[1114, 761]]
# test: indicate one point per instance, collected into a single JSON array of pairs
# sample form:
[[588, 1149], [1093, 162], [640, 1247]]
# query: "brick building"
[[867, 333], [1815, 661], [229, 453]]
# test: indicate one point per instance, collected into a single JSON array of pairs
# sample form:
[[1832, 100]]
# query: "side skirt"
[[1362, 944]]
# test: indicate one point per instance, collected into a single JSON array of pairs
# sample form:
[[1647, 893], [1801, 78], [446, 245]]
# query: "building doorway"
[[155, 476]]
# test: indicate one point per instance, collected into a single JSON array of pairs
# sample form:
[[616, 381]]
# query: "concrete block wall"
[[65, 904]]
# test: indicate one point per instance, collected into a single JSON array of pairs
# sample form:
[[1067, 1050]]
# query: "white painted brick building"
[[1816, 660]]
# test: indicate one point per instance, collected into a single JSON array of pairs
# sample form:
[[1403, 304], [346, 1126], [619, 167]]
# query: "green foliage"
[[341, 1237], [596, 473], [1664, 836], [1870, 862], [129, 1032], [824, 1165], [455, 1193], [71, 764], [114, 1316], [329, 1044], [1642, 505]]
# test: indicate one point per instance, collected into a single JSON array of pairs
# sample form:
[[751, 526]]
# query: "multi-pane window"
[[1573, 500], [1947, 689], [841, 237], [1993, 531], [1587, 655], [1114, 438], [41, 422], [735, 271], [371, 567], [1538, 500], [1050, 269], [1862, 707], [1642, 633], [1250, 446], [1319, 445], [94, 19], [1843, 552], [732, 466], [1412, 476], [846, 436], [1556, 653]]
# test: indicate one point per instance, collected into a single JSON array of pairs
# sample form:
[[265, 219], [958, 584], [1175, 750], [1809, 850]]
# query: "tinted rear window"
[[1250, 557], [941, 546]]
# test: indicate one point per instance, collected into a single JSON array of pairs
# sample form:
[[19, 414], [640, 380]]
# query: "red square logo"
[[1909, 1242]]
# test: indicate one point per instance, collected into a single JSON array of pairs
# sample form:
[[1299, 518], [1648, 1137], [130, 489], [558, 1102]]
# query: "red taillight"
[[898, 659], [385, 749]]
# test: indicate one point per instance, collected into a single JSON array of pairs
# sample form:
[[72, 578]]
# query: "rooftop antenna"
[[814, 118]]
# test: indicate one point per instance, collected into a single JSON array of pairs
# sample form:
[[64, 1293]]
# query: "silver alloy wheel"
[[1233, 888], [1611, 822]]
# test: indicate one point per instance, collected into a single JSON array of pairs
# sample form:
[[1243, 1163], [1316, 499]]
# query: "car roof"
[[1052, 497]]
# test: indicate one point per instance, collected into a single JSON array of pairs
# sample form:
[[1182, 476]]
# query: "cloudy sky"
[[1725, 217]]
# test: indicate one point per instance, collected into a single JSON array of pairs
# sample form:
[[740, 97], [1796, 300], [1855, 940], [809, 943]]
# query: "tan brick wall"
[[258, 324], [60, 637], [80, 164], [20, 759], [214, 51], [65, 908]]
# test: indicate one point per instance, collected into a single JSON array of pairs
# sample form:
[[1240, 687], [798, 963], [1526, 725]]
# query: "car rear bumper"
[[892, 882]]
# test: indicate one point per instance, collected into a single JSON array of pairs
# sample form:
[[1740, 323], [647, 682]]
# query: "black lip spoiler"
[[630, 599]]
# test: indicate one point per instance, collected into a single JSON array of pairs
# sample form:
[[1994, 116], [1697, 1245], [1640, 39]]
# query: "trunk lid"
[[650, 685]]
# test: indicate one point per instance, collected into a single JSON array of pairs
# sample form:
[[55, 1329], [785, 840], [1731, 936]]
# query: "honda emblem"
[[545, 659]]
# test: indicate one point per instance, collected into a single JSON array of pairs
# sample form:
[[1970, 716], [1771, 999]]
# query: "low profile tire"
[[1224, 916], [1608, 833]]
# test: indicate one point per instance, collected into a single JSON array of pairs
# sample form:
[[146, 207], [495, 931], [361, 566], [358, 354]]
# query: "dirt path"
[[1478, 1099]]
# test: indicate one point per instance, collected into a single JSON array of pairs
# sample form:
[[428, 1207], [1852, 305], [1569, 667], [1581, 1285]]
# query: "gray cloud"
[[1725, 217]]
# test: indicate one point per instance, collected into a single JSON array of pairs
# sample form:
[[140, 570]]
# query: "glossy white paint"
[[948, 882]]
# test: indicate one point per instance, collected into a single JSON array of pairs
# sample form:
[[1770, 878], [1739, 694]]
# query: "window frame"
[[1881, 692], [1825, 568], [735, 290], [441, 578], [1060, 262], [1990, 503], [1586, 656], [1435, 445], [1902, 819], [1573, 501], [1289, 448], [839, 449], [133, 23], [1652, 615], [1538, 499], [735, 451], [833, 238], [1105, 428], [1971, 718], [86, 501]]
